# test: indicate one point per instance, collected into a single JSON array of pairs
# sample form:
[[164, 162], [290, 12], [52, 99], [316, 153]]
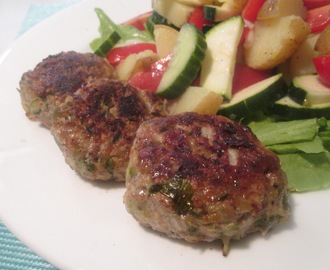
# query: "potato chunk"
[[196, 99], [134, 63], [165, 38], [175, 12], [195, 2], [272, 9], [301, 61], [322, 45], [273, 41]]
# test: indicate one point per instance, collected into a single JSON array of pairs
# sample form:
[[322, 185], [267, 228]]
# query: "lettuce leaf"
[[313, 146], [307, 172], [303, 148], [270, 133], [126, 32]]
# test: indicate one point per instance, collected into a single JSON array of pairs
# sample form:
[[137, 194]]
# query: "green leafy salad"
[[303, 147]]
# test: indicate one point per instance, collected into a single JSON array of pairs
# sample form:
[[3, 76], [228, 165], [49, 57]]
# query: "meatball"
[[65, 72], [202, 178], [95, 127]]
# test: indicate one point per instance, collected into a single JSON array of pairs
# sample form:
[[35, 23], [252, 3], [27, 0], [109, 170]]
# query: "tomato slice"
[[322, 65], [245, 33], [145, 80], [318, 18], [139, 21], [197, 18], [150, 79], [116, 55], [251, 10], [245, 76], [310, 4]]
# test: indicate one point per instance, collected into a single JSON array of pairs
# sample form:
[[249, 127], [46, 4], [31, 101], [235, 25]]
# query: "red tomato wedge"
[[251, 10], [322, 65], [150, 79], [145, 80], [139, 21], [116, 55], [245, 33], [318, 18], [197, 18], [310, 4], [245, 76]]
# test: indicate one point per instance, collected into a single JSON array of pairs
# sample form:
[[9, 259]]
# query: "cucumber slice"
[[156, 18], [109, 34], [173, 11], [254, 98], [218, 66], [289, 109], [103, 45], [185, 64], [308, 90], [210, 12], [218, 13]]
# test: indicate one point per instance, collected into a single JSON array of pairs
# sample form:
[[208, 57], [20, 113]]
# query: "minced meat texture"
[[201, 178], [96, 126], [65, 72], [92, 116]]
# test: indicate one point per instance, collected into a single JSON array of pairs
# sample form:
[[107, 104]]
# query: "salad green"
[[112, 33], [303, 148]]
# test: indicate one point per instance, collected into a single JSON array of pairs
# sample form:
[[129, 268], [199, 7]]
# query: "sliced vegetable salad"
[[264, 63]]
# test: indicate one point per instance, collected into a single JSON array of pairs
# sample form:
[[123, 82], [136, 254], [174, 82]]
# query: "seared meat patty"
[[65, 72], [95, 127], [92, 117], [202, 178]]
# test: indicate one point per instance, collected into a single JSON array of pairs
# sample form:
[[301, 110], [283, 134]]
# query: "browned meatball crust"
[[202, 178], [65, 72], [96, 126]]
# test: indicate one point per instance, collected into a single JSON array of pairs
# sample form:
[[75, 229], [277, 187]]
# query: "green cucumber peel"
[[185, 63]]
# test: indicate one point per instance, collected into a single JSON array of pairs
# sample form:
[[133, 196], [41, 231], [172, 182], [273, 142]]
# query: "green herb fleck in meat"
[[180, 191]]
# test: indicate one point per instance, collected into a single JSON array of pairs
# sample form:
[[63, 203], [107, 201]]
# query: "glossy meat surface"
[[96, 126], [202, 178], [92, 116], [62, 73]]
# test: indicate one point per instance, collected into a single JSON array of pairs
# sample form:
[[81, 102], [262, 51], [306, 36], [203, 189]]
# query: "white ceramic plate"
[[75, 224]]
